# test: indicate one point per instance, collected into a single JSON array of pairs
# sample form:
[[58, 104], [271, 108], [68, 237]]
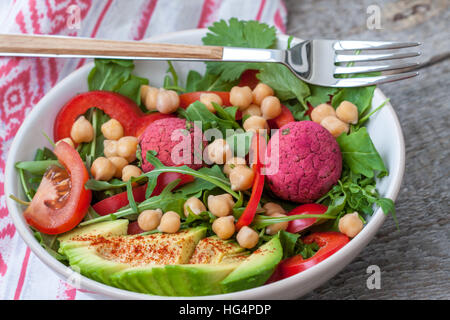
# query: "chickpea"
[[130, 171], [247, 237], [195, 205], [224, 227], [335, 126], [144, 91], [68, 141], [321, 112], [220, 205], [274, 228], [151, 98], [149, 219], [261, 91], [119, 163], [241, 178], [110, 148], [82, 130], [270, 107], [350, 224], [167, 101], [208, 98], [252, 110], [102, 169], [127, 147], [112, 130], [272, 208], [170, 222], [255, 123], [241, 97], [233, 163], [347, 112], [219, 151]]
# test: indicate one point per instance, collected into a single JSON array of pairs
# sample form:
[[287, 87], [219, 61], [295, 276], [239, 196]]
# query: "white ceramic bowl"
[[383, 127]]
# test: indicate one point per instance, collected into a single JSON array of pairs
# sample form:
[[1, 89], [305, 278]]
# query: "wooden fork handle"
[[54, 46]]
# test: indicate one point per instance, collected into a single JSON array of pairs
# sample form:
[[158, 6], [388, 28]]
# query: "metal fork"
[[317, 62]]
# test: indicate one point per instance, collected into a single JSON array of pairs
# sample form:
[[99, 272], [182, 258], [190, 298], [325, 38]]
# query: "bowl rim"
[[261, 292]]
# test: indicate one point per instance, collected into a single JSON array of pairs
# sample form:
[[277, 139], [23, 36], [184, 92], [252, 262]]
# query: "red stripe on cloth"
[[9, 231], [96, 27], [145, 19], [208, 9], [260, 10], [34, 17], [22, 274], [278, 21]]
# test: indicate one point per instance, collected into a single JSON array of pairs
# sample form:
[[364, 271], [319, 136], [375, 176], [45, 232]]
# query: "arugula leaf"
[[320, 94], [307, 250], [249, 34], [359, 153], [116, 76], [209, 82], [36, 167], [285, 84], [199, 185], [288, 241], [361, 97], [50, 244], [197, 111], [297, 109]]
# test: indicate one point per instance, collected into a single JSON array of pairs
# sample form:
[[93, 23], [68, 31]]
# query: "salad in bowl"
[[225, 181]]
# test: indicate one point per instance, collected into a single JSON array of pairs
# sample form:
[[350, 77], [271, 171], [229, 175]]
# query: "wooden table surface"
[[414, 261]]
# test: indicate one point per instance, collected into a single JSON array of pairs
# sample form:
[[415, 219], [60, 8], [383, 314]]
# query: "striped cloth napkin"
[[23, 82]]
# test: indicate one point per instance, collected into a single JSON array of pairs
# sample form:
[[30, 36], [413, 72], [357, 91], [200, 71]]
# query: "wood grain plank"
[[415, 260]]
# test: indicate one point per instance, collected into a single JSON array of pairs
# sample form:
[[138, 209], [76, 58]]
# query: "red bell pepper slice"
[[329, 243], [116, 106], [301, 224], [187, 98], [258, 183], [285, 117], [248, 78]]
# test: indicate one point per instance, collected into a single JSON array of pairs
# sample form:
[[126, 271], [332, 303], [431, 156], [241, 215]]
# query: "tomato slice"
[[301, 224], [329, 243], [113, 104], [284, 118], [61, 201], [248, 78]]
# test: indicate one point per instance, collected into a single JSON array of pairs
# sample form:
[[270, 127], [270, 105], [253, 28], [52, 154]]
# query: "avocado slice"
[[117, 227], [198, 279], [78, 237], [101, 257], [256, 269], [213, 250]]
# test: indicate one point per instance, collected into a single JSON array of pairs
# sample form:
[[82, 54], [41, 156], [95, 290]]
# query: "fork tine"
[[364, 69], [375, 57], [368, 81], [372, 45]]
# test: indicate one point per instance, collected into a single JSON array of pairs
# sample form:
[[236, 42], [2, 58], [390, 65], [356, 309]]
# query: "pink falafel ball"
[[171, 139], [310, 161]]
